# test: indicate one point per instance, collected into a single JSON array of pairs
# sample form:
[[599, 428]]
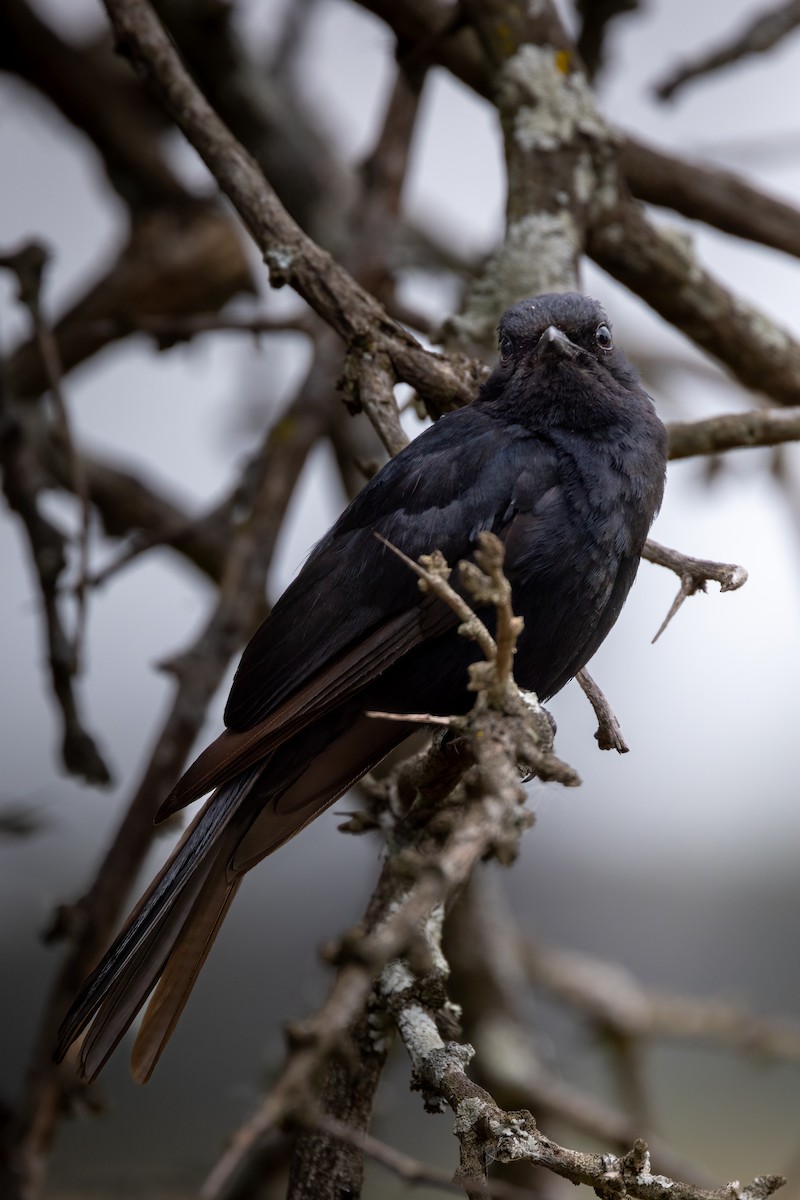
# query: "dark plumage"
[[562, 456]]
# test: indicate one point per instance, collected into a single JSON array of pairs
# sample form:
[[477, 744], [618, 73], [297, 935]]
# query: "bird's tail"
[[119, 985], [167, 938]]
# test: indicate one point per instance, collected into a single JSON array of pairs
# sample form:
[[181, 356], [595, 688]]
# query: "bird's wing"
[[455, 480], [232, 751]]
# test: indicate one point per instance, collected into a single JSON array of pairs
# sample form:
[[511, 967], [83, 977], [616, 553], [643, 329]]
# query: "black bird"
[[562, 456]]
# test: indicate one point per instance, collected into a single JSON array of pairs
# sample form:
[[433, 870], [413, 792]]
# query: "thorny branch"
[[694, 574]]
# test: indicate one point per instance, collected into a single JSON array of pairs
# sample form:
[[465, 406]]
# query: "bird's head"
[[559, 366], [558, 328]]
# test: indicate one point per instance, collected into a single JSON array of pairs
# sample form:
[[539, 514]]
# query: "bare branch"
[[320, 1036], [660, 266], [23, 482], [609, 995], [556, 146], [697, 190], [487, 1133], [367, 382], [176, 262], [268, 112], [409, 1169], [123, 130], [608, 735], [490, 966], [291, 256], [29, 264], [167, 330], [762, 34], [759, 427], [706, 192], [130, 505], [596, 17], [657, 265], [694, 574]]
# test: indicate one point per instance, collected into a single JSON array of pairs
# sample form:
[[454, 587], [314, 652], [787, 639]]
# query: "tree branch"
[[596, 17], [489, 1134], [122, 129], [555, 150], [610, 996], [708, 193], [23, 483], [291, 256], [609, 734], [660, 266], [694, 574], [490, 962], [178, 261], [762, 34], [657, 265], [759, 427]]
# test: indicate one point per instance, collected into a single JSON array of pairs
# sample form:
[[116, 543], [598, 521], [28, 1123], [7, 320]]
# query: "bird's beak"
[[555, 343]]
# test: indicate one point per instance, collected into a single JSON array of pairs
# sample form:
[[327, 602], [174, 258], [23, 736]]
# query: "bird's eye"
[[506, 347], [603, 337]]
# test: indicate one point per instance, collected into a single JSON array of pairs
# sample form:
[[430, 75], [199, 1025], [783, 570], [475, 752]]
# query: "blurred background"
[[678, 860]]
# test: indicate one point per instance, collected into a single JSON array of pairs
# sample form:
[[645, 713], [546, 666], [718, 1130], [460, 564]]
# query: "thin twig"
[[79, 486], [694, 574], [29, 264], [764, 32], [610, 996], [609, 734], [433, 573], [411, 1170], [23, 483]]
